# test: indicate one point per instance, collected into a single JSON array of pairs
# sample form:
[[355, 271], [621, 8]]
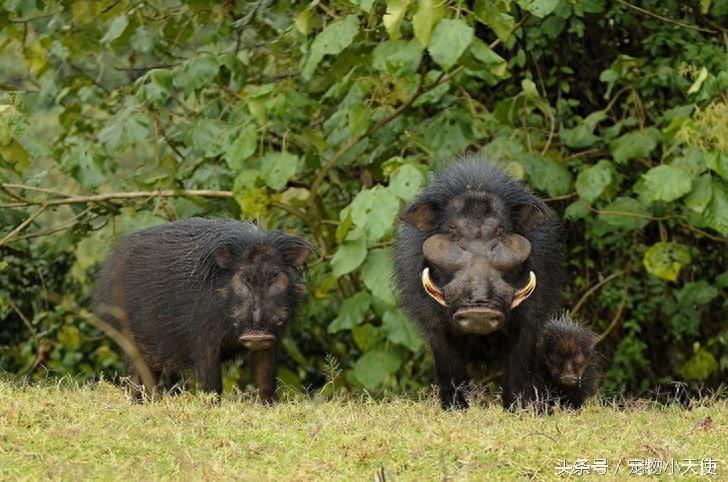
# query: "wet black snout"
[[257, 341], [480, 320]]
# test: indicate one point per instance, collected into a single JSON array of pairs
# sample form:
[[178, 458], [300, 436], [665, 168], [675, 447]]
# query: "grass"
[[66, 431]]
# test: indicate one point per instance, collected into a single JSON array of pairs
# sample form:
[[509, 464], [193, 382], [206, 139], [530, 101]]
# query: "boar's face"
[[475, 260], [264, 288], [566, 358]]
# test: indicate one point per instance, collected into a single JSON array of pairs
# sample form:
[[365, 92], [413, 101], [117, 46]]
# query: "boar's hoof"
[[257, 341], [478, 320]]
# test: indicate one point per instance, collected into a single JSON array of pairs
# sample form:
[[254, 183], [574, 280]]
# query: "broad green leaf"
[[582, 135], [349, 256], [351, 312], [592, 181], [488, 12], [374, 210], [696, 293], [700, 196], [546, 174], [698, 81], [666, 183], [373, 368], [142, 40], [116, 28], [394, 16], [158, 87], [80, 162], [242, 148], [206, 137], [197, 72], [124, 130], [701, 366], [429, 12], [449, 40], [400, 330], [330, 41], [497, 65], [406, 182], [397, 56], [70, 337], [626, 213], [576, 210], [665, 260], [634, 145], [716, 212], [539, 8], [278, 168], [366, 336], [718, 162], [376, 272]]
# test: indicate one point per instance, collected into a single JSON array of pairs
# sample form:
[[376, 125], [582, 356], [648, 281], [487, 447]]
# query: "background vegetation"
[[322, 118]]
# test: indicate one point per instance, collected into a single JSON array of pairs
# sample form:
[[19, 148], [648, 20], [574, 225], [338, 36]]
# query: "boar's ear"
[[297, 251], [223, 257], [420, 215], [528, 217]]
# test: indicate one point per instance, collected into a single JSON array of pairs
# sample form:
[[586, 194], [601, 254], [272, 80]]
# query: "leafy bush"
[[323, 118]]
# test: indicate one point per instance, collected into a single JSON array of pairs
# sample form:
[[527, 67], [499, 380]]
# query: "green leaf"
[[158, 87], [539, 8], [701, 366], [696, 293], [594, 180], [665, 260], [716, 212], [351, 312], [496, 64], [634, 145], [330, 41], [718, 162], [394, 16], [242, 148], [116, 28], [377, 274], [374, 367], [366, 336], [124, 130], [278, 168], [499, 20], [197, 72], [625, 213], [582, 135], [546, 174], [429, 12], [401, 330], [666, 183], [406, 182], [449, 40], [374, 210], [397, 56], [700, 196], [79, 161], [349, 256]]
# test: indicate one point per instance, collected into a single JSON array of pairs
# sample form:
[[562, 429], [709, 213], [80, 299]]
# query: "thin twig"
[[594, 288], [666, 19], [24, 224], [616, 317], [22, 316]]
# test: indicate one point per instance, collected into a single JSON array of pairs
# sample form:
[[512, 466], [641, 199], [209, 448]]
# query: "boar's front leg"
[[264, 372], [209, 374], [452, 377]]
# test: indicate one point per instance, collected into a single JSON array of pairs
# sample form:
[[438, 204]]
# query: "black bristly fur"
[[185, 292], [453, 349], [562, 347]]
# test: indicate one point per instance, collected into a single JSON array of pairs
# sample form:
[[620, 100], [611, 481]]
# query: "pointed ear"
[[528, 217], [297, 251], [223, 257], [420, 215]]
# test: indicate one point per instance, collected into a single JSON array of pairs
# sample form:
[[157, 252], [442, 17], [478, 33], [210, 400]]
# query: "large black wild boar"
[[196, 292], [478, 262]]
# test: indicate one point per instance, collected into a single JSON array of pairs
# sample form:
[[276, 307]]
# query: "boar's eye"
[[500, 233], [279, 284]]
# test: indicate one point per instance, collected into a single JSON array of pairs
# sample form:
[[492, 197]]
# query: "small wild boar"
[[196, 292], [563, 368], [478, 262]]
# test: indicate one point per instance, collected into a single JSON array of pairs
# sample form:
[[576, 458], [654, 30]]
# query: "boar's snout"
[[478, 320], [257, 341]]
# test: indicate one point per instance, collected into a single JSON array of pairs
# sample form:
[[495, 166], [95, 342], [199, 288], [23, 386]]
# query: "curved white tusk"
[[526, 291], [431, 288]]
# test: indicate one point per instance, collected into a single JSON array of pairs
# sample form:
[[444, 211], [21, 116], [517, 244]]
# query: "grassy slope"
[[93, 432]]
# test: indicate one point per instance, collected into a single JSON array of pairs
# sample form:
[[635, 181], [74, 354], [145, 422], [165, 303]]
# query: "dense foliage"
[[322, 118]]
